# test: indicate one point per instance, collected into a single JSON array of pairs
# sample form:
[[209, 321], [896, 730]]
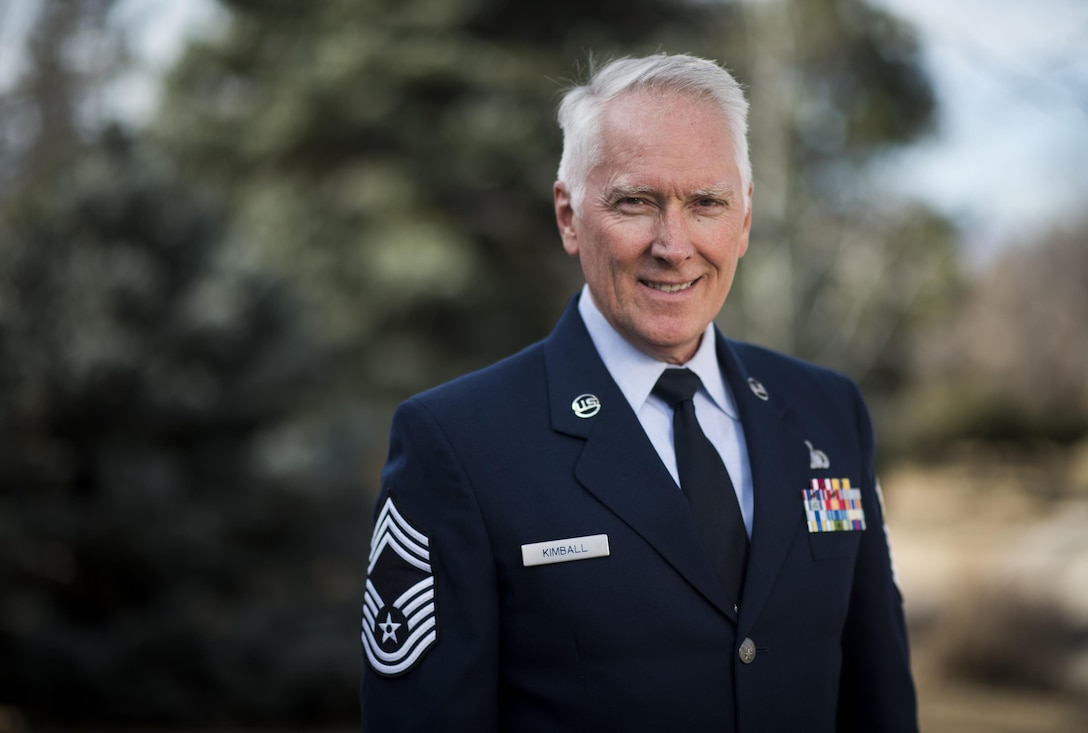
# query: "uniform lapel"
[[618, 464], [779, 464]]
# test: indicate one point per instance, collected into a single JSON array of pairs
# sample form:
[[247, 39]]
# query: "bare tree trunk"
[[769, 288]]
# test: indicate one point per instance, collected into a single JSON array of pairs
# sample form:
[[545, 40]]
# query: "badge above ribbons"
[[399, 623], [832, 506]]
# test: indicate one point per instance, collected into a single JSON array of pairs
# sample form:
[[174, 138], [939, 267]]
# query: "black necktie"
[[705, 482]]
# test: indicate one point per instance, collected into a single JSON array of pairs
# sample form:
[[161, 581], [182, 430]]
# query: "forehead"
[[666, 135]]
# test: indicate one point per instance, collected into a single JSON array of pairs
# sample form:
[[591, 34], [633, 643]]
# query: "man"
[[556, 548]]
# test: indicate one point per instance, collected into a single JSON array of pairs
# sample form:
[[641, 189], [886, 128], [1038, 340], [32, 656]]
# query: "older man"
[[638, 524]]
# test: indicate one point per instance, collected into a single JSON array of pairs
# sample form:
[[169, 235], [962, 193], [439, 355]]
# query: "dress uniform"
[[534, 568]]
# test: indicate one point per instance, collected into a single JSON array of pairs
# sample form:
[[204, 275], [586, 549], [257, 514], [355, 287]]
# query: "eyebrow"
[[630, 190], [727, 192]]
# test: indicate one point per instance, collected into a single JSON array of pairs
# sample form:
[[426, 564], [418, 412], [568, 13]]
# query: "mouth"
[[669, 287]]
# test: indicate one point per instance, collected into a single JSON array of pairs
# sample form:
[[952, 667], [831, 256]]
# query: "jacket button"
[[747, 652]]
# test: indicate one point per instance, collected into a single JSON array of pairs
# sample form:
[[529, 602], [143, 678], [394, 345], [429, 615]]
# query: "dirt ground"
[[954, 706], [950, 526]]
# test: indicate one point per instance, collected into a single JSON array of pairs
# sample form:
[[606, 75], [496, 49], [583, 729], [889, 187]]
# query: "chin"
[[675, 349]]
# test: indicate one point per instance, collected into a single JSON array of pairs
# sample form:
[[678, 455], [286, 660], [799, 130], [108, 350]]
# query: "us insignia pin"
[[758, 389], [832, 506], [399, 623], [586, 405]]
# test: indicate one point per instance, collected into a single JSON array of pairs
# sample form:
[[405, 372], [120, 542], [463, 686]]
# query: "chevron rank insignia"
[[399, 624], [832, 506]]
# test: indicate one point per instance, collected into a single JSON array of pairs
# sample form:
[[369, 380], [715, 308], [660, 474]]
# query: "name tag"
[[575, 548]]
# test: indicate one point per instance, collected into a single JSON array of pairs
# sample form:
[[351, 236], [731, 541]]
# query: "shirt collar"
[[636, 373]]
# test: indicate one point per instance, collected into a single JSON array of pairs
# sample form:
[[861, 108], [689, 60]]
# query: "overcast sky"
[[1009, 157]]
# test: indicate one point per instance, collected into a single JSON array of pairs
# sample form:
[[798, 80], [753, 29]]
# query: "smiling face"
[[663, 222]]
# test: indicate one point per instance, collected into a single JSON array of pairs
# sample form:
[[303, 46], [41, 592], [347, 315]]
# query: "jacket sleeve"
[[876, 693], [428, 667]]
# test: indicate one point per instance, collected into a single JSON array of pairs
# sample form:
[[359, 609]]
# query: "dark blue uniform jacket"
[[461, 635]]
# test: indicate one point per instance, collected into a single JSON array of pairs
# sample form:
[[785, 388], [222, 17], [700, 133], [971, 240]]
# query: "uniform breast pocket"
[[831, 545]]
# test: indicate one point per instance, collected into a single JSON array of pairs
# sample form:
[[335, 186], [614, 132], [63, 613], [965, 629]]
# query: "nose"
[[672, 238]]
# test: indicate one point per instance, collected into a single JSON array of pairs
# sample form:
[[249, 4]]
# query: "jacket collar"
[[620, 467], [618, 464]]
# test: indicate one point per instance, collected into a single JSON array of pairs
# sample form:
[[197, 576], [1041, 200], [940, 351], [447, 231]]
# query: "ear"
[[564, 218], [747, 221]]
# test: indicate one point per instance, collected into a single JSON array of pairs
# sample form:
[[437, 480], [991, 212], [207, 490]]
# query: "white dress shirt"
[[636, 374]]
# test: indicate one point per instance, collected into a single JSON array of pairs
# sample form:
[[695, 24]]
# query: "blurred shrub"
[[998, 635], [160, 557], [1010, 363]]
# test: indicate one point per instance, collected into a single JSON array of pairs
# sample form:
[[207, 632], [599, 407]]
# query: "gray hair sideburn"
[[581, 107]]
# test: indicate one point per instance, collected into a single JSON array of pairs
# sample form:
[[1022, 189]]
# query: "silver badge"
[[586, 405], [399, 604], [758, 389], [817, 458], [747, 651]]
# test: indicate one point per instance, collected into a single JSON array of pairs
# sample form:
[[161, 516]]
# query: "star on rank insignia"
[[399, 623]]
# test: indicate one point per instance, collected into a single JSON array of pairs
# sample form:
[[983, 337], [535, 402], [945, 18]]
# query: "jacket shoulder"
[[788, 375], [491, 386]]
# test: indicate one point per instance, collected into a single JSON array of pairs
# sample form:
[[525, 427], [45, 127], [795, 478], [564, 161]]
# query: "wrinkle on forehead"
[[651, 142], [658, 102], [642, 120]]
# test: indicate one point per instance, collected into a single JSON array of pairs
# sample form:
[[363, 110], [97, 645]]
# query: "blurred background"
[[235, 234]]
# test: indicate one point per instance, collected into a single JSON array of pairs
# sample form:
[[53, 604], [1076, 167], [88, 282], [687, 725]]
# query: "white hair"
[[581, 108]]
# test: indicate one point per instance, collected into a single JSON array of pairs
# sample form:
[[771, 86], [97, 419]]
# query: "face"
[[663, 222]]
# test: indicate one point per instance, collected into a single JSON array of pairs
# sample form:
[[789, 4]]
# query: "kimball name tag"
[[575, 548]]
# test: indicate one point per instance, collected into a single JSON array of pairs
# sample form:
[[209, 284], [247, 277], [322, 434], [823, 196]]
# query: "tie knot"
[[676, 385]]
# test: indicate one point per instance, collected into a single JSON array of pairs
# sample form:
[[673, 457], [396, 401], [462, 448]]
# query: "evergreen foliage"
[[156, 563], [396, 160]]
